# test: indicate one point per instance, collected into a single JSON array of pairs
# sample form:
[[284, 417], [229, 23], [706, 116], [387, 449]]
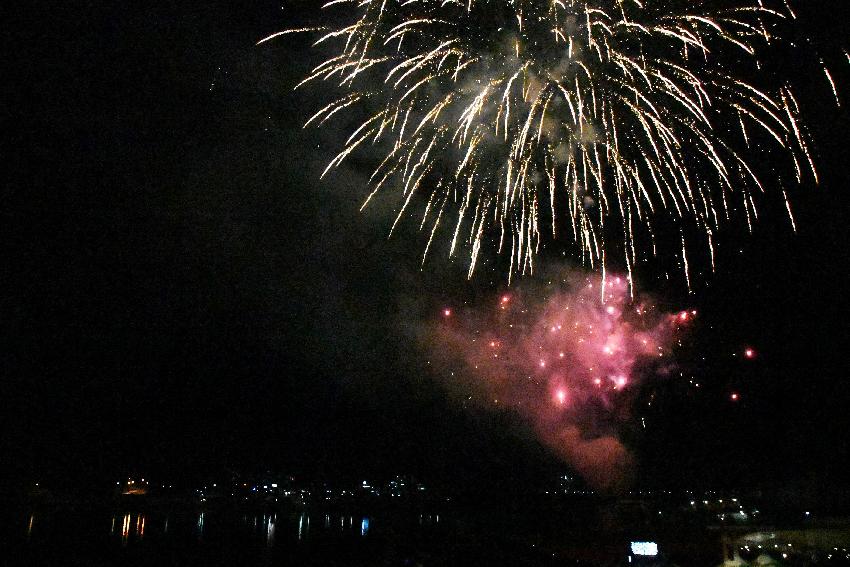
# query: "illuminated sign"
[[649, 548]]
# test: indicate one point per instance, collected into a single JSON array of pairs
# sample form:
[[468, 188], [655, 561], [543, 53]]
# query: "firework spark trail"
[[620, 110], [569, 362]]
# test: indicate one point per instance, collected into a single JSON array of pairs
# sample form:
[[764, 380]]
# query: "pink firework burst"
[[567, 357]]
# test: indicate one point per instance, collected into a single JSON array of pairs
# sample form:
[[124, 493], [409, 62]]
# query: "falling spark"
[[790, 213], [832, 85]]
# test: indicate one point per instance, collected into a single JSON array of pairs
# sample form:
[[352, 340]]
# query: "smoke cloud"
[[569, 356]]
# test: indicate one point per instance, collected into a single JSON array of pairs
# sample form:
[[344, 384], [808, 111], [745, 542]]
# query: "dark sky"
[[182, 295]]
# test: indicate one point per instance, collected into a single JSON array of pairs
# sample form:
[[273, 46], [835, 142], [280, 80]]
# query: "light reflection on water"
[[200, 529], [270, 527], [428, 519], [132, 526], [222, 536], [267, 525]]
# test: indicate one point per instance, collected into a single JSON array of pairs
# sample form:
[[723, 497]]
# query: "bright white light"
[[649, 548]]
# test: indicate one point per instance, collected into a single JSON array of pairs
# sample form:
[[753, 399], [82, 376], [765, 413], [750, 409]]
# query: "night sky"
[[182, 296]]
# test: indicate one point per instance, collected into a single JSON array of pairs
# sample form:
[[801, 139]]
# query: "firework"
[[567, 360], [572, 344], [591, 120]]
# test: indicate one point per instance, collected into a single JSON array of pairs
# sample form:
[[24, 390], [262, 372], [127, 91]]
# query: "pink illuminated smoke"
[[566, 357]]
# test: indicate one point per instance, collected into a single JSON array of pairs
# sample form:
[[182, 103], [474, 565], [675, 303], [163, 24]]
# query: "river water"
[[213, 538]]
